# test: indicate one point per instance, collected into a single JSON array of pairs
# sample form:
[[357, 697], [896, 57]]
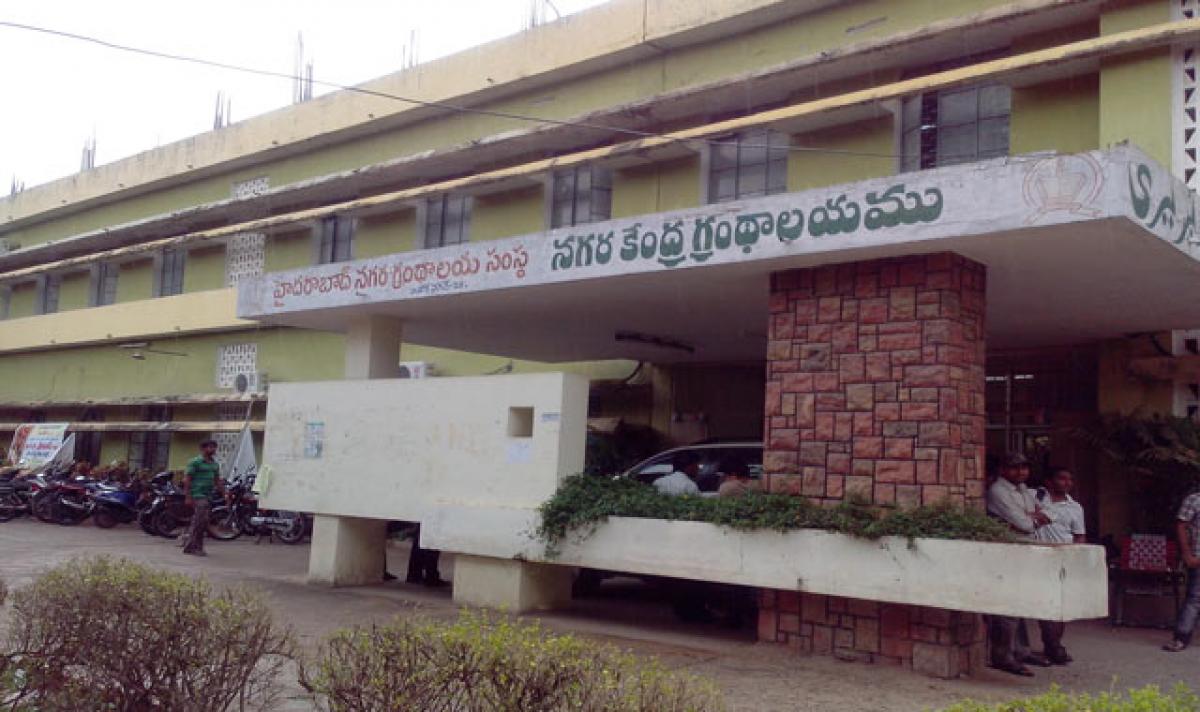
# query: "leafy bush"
[[115, 635], [583, 502], [1146, 699], [491, 664], [1161, 453]]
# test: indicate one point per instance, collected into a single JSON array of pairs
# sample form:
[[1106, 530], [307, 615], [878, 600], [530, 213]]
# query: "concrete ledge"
[[1057, 583]]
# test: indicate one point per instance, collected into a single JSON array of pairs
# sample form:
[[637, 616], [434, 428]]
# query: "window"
[[447, 220], [233, 359], [170, 273], [88, 443], [245, 256], [336, 240], [5, 300], [48, 289], [579, 195], [151, 449], [957, 126], [104, 284], [747, 165]]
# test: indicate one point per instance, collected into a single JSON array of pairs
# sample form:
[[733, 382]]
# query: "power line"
[[424, 102]]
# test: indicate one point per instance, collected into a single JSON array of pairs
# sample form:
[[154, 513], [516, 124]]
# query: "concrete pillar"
[[875, 388], [373, 347], [515, 586], [351, 551], [347, 551]]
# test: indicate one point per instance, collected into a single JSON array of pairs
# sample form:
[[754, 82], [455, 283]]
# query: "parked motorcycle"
[[163, 496], [17, 494], [74, 501], [242, 516], [116, 505]]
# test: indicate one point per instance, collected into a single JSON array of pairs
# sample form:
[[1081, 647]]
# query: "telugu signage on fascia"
[[972, 199]]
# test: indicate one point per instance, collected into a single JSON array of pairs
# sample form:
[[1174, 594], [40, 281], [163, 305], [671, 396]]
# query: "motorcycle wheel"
[[223, 524], [294, 534], [66, 516], [104, 519], [167, 525], [43, 508], [10, 507]]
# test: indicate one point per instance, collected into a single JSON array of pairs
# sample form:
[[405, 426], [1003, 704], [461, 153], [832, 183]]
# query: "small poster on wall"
[[314, 439]]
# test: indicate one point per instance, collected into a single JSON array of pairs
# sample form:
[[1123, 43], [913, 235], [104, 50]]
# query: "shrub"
[[491, 664], [1146, 699], [583, 502], [115, 635]]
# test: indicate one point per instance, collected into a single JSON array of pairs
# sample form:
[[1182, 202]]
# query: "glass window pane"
[[956, 144], [724, 153], [563, 185], [753, 151], [583, 180], [957, 107], [993, 138], [561, 217], [777, 177], [752, 181], [601, 204], [912, 147], [583, 207], [995, 100], [601, 177], [724, 184]]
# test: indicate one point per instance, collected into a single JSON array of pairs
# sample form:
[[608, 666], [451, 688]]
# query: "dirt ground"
[[752, 676]]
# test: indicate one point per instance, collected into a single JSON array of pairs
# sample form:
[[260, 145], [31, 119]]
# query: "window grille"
[[151, 449], [250, 188], [1187, 101], [170, 272], [337, 240], [955, 126], [580, 195], [104, 284], [748, 165], [245, 256], [233, 359], [48, 299], [447, 220]]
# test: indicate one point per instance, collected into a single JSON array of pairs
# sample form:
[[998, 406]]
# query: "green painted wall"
[[813, 170], [73, 291], [516, 212], [135, 281], [204, 269], [657, 187], [385, 234], [290, 250], [1062, 115], [1129, 83], [721, 58], [22, 301]]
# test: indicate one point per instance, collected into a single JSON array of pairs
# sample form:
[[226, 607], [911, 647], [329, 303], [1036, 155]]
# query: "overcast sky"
[[56, 93]]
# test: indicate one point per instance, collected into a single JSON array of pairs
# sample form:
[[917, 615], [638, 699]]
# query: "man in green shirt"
[[202, 476]]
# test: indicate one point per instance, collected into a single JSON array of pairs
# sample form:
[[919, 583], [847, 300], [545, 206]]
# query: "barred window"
[[48, 297], [580, 195], [337, 240], [104, 284], [748, 165], [245, 257], [151, 449], [956, 126], [447, 220], [170, 272]]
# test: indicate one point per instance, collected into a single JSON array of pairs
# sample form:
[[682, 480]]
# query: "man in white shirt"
[[683, 480], [1010, 501], [1065, 527]]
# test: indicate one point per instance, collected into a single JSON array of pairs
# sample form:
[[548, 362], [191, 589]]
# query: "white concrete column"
[[515, 586], [347, 551], [373, 347]]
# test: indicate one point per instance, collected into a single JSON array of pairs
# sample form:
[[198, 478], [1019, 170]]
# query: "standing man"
[[202, 476], [1187, 532], [1010, 501], [1065, 527]]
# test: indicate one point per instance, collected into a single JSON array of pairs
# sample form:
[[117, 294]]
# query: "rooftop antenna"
[[537, 14], [17, 186], [302, 73], [88, 159], [223, 113], [410, 54]]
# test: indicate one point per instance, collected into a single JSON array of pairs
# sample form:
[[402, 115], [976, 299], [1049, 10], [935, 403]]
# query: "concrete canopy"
[[1078, 248]]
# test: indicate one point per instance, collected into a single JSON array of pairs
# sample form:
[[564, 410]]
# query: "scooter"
[[116, 505]]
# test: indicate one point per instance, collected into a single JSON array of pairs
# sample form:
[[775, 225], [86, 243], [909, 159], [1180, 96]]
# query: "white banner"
[[35, 444]]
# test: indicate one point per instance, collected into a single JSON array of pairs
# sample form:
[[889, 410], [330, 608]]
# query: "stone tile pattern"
[[930, 641], [875, 381]]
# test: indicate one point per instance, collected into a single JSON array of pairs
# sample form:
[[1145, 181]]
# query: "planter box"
[[1047, 582]]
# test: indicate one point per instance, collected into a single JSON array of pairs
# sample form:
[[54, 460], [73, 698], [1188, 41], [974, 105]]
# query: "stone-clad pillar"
[[876, 381], [875, 388]]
